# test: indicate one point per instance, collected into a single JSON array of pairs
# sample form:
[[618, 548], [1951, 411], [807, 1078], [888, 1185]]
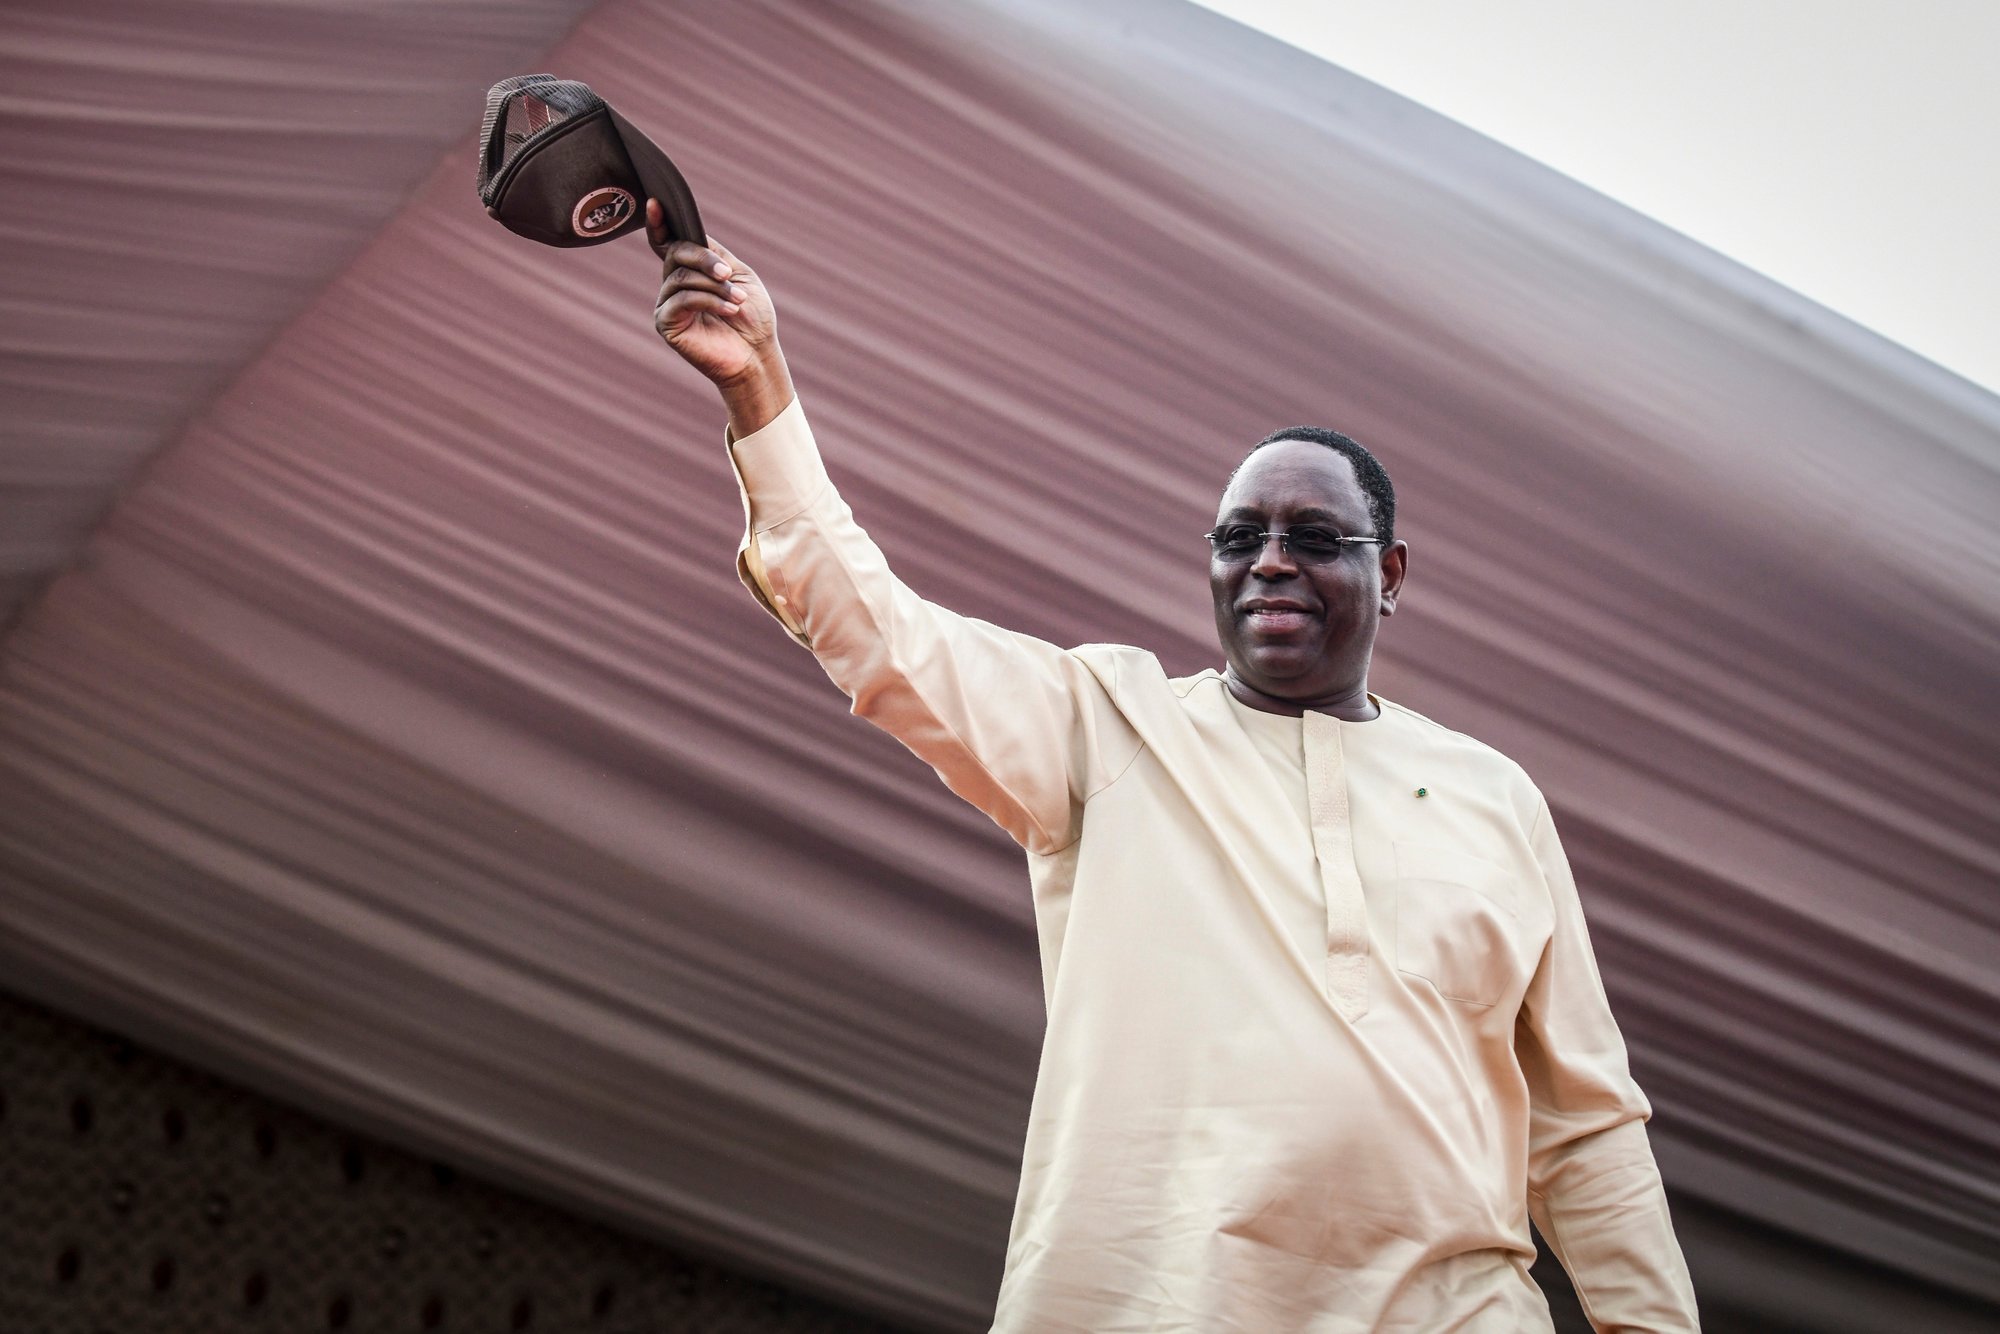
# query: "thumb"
[[656, 227]]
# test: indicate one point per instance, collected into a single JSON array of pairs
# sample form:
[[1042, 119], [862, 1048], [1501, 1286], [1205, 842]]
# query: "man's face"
[[1291, 630]]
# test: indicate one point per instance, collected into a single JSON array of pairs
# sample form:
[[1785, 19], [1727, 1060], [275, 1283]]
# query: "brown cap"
[[559, 166]]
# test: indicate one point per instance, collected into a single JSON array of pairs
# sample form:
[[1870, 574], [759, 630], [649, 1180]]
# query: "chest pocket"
[[1455, 922]]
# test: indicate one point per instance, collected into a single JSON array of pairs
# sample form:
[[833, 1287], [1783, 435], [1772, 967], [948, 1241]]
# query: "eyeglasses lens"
[[1242, 542]]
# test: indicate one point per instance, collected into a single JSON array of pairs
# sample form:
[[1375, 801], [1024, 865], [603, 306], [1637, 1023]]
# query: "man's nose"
[[1273, 561]]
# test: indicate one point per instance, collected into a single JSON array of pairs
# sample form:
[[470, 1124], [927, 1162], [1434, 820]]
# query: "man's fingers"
[[711, 259], [686, 280], [685, 254], [680, 310], [688, 255]]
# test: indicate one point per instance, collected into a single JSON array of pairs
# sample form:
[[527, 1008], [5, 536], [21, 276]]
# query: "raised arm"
[[1593, 1187], [1016, 726]]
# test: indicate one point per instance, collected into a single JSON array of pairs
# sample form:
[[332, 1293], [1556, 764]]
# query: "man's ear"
[[1395, 566]]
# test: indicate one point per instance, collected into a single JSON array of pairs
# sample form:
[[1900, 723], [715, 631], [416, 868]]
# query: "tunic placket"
[[1333, 845]]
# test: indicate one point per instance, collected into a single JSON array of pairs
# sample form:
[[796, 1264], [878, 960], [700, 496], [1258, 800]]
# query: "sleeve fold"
[[1594, 1189]]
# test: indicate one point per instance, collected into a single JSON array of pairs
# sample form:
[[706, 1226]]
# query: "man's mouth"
[[1276, 616]]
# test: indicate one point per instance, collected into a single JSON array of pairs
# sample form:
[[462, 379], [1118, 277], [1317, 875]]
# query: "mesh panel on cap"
[[523, 108]]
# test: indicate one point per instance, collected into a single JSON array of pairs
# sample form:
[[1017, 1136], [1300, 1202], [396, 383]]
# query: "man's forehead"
[[1296, 476]]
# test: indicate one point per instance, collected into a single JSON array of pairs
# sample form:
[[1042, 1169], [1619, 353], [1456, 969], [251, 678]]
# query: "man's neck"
[[1350, 705]]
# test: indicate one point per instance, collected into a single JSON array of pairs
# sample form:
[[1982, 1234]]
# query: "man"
[[1324, 1025]]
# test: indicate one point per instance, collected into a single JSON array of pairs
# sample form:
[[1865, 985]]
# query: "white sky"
[[1850, 149]]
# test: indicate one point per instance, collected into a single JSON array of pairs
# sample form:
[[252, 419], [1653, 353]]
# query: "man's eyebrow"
[[1310, 514]]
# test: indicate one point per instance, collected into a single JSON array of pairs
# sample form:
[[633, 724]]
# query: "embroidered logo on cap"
[[602, 210]]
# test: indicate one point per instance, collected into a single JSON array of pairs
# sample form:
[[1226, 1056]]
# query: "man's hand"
[[715, 312]]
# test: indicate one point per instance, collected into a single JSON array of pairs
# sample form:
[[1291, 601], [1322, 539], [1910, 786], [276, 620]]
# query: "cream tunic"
[[1324, 1024]]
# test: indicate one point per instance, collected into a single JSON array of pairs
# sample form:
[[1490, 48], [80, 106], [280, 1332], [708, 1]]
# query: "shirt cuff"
[[778, 468]]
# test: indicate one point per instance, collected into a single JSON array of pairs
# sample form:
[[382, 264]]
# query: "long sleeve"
[[1004, 718], [1594, 1189]]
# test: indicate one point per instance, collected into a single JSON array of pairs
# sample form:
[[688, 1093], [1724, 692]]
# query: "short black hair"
[[1368, 471]]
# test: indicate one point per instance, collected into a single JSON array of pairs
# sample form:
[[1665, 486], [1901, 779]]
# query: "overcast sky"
[[1849, 149]]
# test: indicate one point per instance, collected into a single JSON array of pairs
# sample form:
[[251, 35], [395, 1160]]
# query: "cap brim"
[[662, 181]]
